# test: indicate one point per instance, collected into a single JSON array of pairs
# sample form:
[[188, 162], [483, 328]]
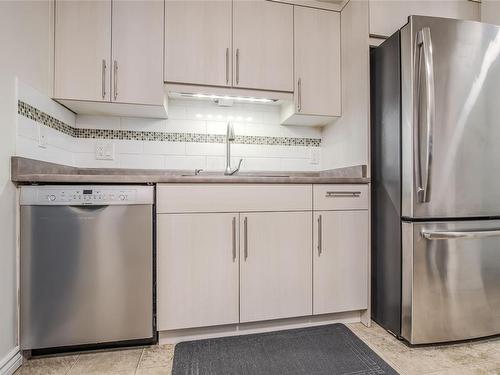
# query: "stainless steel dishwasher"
[[86, 265]]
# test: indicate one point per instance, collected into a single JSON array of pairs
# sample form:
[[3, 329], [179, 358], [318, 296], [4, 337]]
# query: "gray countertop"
[[25, 170]]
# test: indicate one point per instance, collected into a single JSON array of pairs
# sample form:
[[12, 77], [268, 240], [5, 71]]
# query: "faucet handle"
[[198, 171]]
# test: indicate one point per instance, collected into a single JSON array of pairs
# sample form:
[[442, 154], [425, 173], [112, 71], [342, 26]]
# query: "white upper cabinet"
[[82, 50], [263, 45], [137, 54], [317, 62], [109, 57], [198, 42], [387, 16]]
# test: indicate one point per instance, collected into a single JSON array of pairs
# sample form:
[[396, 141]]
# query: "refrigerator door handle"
[[423, 48], [450, 235]]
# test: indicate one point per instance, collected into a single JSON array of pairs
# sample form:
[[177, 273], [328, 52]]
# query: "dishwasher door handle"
[[93, 207]]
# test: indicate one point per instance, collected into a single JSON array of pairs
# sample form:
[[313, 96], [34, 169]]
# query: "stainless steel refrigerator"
[[435, 113]]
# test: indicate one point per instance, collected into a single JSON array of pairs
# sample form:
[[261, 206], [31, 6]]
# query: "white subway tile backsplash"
[[217, 163], [128, 147], [164, 148], [98, 122], [186, 126], [261, 164], [301, 131], [29, 148], [142, 161], [58, 139], [207, 149], [87, 160], [297, 165], [185, 162], [199, 129], [84, 145], [143, 124], [27, 128], [29, 95], [217, 127]]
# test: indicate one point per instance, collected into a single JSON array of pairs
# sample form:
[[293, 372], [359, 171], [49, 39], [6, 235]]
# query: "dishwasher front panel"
[[86, 275], [451, 280]]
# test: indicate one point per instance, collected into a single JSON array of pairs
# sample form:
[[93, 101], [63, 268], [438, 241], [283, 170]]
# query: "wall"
[[37, 141], [490, 11], [387, 16], [346, 141], [25, 38]]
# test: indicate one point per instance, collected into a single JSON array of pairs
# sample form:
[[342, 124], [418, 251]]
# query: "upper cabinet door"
[[317, 62], [137, 66], [263, 45], [82, 50], [198, 42]]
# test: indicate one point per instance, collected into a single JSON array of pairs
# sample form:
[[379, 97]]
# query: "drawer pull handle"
[[451, 235], [343, 194]]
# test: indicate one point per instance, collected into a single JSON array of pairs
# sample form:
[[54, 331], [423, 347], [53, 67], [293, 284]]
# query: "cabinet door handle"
[[299, 94], [115, 79], [245, 237], [343, 194], [237, 66], [103, 78], [320, 235], [227, 66], [234, 239]]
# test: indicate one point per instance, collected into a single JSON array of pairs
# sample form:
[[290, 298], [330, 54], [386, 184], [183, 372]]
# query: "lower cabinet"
[[275, 265], [340, 254], [296, 254], [197, 270]]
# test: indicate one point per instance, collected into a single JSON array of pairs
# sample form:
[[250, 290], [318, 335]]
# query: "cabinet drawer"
[[178, 198], [340, 197]]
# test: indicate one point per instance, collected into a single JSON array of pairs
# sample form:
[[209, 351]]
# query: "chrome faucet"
[[229, 138]]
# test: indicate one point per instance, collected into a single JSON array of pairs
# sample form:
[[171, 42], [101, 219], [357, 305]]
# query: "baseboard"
[[11, 362], [176, 336]]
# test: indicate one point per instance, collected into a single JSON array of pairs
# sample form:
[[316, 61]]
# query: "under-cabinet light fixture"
[[228, 97]]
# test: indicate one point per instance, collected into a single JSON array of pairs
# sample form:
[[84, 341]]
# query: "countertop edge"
[[145, 179], [32, 171]]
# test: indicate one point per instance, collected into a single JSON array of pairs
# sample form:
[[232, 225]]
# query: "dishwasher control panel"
[[86, 195]]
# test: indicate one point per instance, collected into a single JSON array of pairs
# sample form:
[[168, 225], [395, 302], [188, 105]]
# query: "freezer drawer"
[[451, 279]]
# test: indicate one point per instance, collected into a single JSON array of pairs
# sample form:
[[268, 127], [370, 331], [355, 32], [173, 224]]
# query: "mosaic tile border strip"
[[43, 118]]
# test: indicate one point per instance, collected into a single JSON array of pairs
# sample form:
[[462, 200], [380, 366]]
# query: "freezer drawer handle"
[[438, 235], [343, 194]]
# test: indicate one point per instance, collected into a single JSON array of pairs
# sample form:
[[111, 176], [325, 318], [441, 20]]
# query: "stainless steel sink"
[[249, 175], [263, 175]]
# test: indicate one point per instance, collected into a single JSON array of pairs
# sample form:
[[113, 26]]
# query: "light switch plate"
[[104, 150], [314, 155]]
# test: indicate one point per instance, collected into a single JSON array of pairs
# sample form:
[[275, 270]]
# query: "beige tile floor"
[[476, 358]]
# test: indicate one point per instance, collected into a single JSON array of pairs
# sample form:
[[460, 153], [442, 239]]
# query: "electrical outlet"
[[104, 150], [42, 136], [314, 155]]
